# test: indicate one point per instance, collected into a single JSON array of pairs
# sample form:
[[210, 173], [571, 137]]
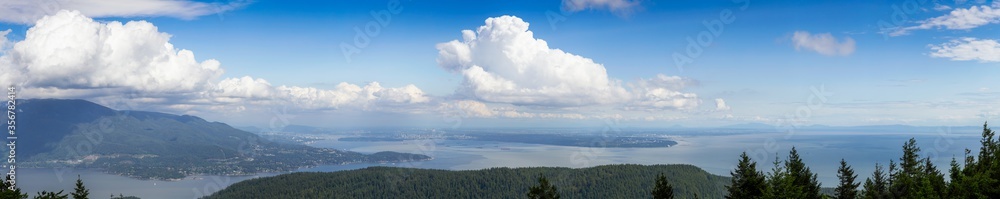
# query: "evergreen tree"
[[544, 190], [988, 168], [51, 195], [932, 182], [747, 182], [80, 192], [876, 187], [956, 188], [980, 177], [847, 189], [801, 176], [662, 189], [7, 193], [906, 181], [779, 185]]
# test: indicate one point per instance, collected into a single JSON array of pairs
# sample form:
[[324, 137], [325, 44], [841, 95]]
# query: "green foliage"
[[51, 195], [980, 176], [608, 181], [7, 193], [802, 177], [747, 182], [543, 190], [848, 188], [876, 187], [913, 177], [662, 189], [80, 192]]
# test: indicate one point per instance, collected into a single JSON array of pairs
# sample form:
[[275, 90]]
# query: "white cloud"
[[503, 62], [369, 97], [824, 44], [720, 105], [244, 87], [4, 42], [958, 19], [662, 93], [620, 7], [70, 50], [69, 55], [940, 7], [967, 49], [469, 108], [28, 11]]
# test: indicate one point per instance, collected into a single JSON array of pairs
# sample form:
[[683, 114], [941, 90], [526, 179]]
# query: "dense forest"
[[610, 181]]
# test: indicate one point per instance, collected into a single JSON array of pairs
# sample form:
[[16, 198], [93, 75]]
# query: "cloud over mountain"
[[69, 55]]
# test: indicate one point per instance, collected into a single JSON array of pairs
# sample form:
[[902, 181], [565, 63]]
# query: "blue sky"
[[935, 64]]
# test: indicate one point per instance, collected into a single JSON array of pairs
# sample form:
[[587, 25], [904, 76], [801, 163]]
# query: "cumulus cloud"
[[4, 42], [662, 93], [720, 105], [70, 50], [824, 43], [28, 11], [68, 55], [469, 108], [958, 19], [620, 7], [503, 62], [968, 49], [368, 97]]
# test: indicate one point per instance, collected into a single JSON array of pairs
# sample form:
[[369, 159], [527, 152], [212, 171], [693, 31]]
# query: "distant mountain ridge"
[[152, 145]]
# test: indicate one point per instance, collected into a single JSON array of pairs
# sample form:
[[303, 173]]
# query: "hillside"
[[609, 181], [151, 145]]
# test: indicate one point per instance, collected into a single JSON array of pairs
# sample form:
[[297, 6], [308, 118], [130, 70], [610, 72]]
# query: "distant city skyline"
[[569, 63]]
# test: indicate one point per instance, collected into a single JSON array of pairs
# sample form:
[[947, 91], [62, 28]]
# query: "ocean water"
[[716, 154]]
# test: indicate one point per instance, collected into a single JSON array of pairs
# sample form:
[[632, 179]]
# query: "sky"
[[553, 63]]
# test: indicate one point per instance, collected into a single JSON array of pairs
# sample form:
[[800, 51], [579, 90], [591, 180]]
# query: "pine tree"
[[747, 182], [876, 187], [932, 182], [80, 192], [906, 181], [956, 188], [980, 177], [989, 164], [779, 185], [7, 193], [848, 189], [544, 190], [51, 195], [662, 189], [801, 176]]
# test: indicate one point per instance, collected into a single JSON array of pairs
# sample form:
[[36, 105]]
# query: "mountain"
[[609, 181], [151, 145], [749, 126]]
